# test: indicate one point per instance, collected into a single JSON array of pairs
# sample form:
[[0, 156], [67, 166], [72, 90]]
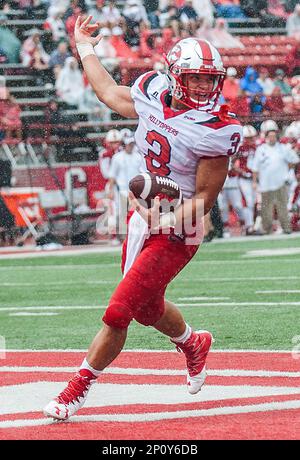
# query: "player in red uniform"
[[183, 134]]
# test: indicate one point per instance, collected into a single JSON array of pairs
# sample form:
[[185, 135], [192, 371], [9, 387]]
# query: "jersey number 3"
[[157, 163]]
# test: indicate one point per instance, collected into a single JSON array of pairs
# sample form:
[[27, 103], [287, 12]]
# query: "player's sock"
[[185, 336], [86, 367]]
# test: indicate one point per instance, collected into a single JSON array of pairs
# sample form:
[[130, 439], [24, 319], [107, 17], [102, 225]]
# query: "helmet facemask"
[[194, 98]]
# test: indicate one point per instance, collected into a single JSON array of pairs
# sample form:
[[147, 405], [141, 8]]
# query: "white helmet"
[[113, 135], [190, 56], [268, 125], [293, 130], [249, 131], [126, 132]]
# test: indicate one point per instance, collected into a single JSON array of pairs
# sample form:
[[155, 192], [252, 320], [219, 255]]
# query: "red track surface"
[[261, 415]]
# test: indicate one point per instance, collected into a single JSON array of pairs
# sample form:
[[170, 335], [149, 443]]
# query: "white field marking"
[[203, 298], [204, 304], [155, 416], [25, 313], [62, 267], [135, 350], [59, 253], [55, 307], [56, 283], [141, 371], [238, 304], [280, 291], [272, 252], [233, 279], [31, 397], [117, 264]]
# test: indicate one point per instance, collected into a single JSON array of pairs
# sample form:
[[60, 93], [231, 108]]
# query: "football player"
[[184, 134]]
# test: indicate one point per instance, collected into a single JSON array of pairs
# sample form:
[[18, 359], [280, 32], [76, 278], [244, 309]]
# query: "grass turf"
[[218, 270]]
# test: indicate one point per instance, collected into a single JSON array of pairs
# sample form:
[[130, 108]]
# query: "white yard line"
[[273, 252], [25, 313], [141, 371], [153, 416], [204, 304], [102, 265], [203, 298], [280, 291]]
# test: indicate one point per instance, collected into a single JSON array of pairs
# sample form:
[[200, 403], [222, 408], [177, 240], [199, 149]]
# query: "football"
[[147, 186]]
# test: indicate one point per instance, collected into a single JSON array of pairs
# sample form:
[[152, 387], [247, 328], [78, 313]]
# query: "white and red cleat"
[[195, 349], [72, 398]]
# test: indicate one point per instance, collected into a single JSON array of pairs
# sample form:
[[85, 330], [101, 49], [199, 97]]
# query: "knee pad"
[[117, 315], [151, 313]]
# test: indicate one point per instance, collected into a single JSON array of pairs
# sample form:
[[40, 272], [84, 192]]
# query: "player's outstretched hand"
[[150, 216], [84, 29]]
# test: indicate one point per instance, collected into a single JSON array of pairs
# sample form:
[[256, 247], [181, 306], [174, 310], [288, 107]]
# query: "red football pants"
[[140, 295]]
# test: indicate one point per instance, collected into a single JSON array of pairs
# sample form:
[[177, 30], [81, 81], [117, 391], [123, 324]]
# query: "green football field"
[[246, 293]]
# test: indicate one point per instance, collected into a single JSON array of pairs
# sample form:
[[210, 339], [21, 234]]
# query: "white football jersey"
[[172, 142]]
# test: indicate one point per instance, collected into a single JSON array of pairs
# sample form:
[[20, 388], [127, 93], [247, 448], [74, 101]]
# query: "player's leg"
[[281, 197], [267, 211], [248, 194], [194, 344]]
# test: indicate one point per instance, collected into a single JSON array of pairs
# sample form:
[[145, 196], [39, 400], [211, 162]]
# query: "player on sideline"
[[183, 134]]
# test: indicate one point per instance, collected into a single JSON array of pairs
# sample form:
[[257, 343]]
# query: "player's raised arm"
[[117, 98]]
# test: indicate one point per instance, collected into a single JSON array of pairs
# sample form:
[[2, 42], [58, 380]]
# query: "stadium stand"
[[139, 32]]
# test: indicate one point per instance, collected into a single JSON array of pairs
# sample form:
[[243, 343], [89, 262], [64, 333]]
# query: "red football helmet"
[[190, 56]]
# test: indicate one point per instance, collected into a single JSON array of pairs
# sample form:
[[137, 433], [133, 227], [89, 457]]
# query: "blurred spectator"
[[188, 16], [10, 44], [74, 6], [70, 84], [106, 51], [270, 167], [96, 11], [97, 111], [221, 38], [265, 81], [293, 22], [292, 59], [274, 103], [55, 24], [59, 55], [110, 13], [121, 47], [229, 9], [240, 106], [10, 117], [153, 12], [231, 85], [257, 103], [259, 9], [170, 17], [296, 95], [134, 14], [249, 83], [205, 10], [32, 51], [280, 81], [277, 8]]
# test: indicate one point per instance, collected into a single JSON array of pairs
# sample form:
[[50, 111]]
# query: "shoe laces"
[[191, 348], [75, 389]]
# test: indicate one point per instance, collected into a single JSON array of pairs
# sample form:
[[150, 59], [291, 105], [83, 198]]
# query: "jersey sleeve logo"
[[145, 82]]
